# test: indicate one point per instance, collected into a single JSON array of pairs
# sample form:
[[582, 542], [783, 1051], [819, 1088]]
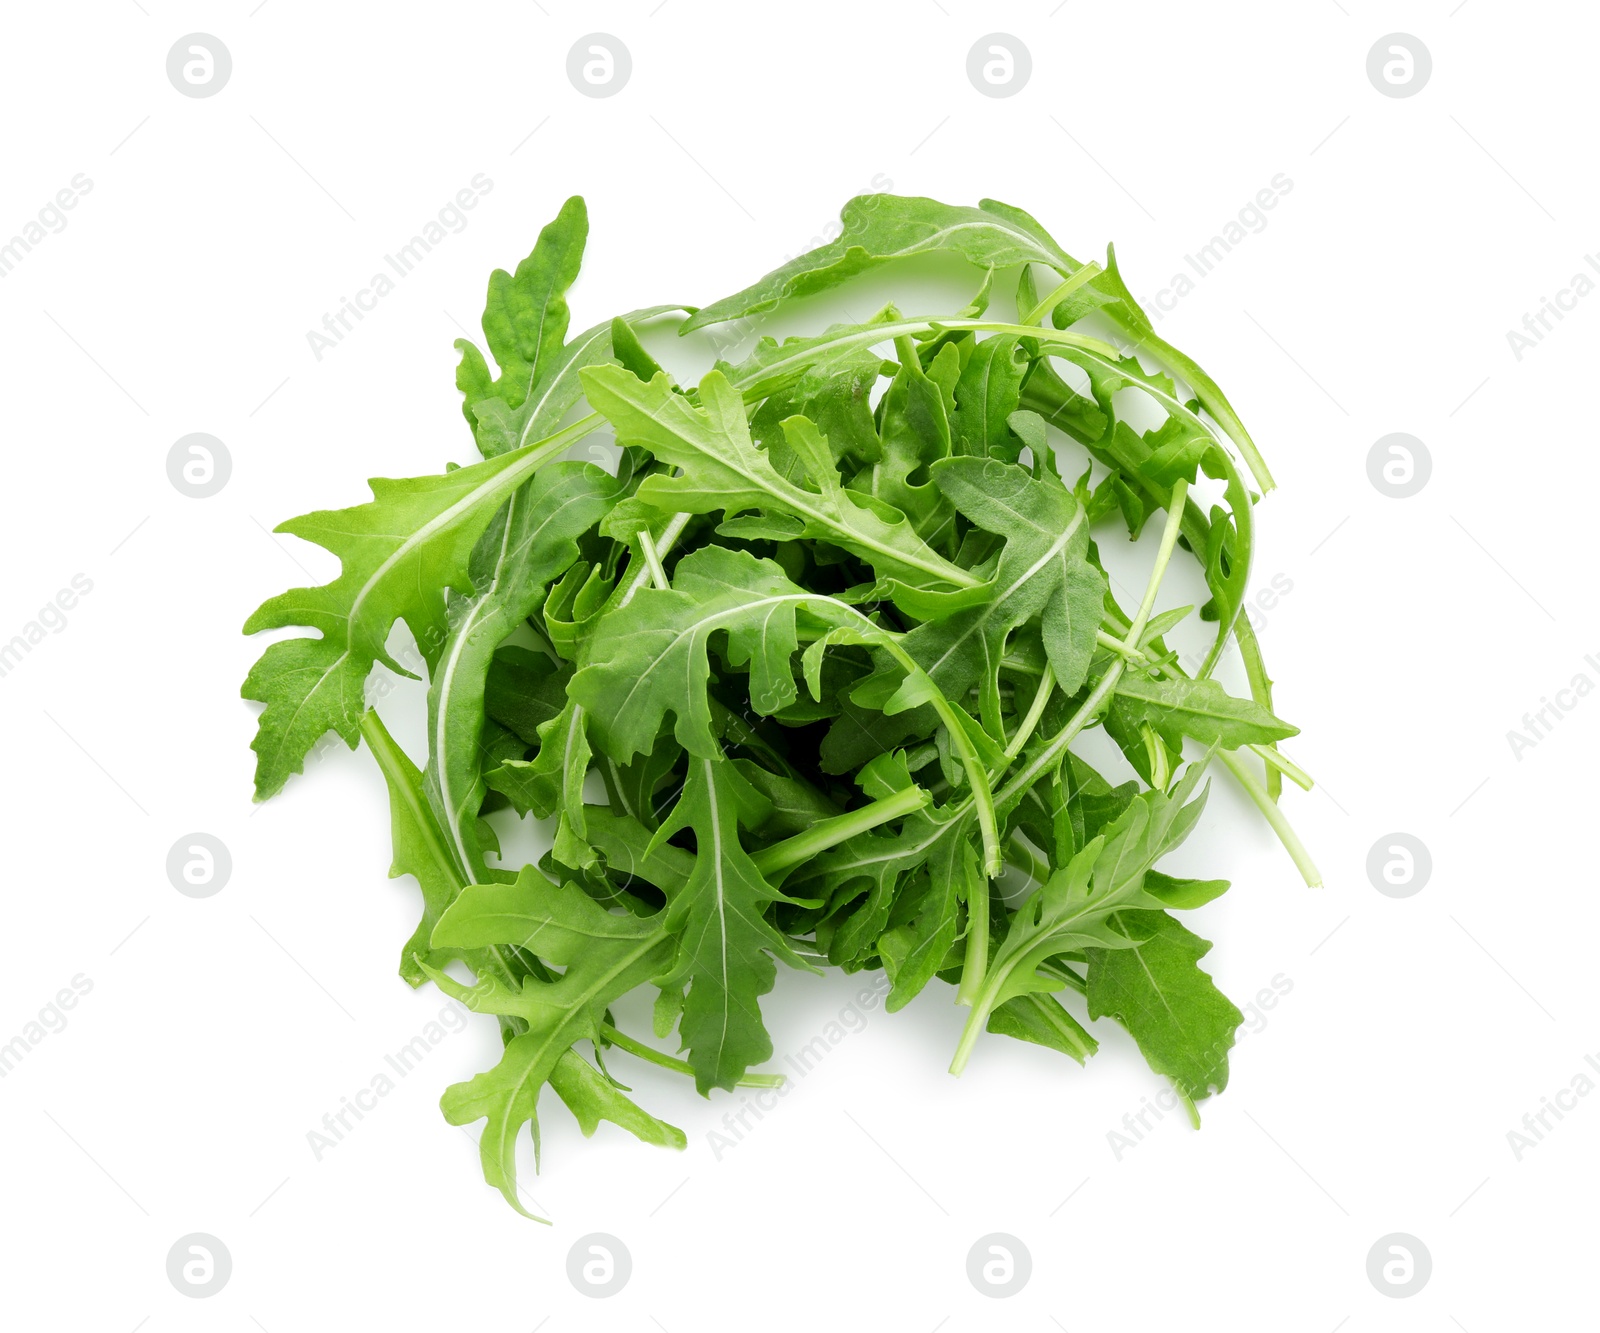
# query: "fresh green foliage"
[[803, 675]]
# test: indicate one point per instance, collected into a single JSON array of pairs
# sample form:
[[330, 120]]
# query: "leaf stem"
[[614, 1036], [1275, 759], [1169, 541], [1274, 816], [975, 960], [761, 381], [1066, 288], [652, 560], [1090, 708], [1189, 370], [826, 833], [1116, 645], [1047, 685]]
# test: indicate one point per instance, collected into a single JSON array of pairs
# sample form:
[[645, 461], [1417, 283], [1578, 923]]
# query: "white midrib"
[[1056, 548], [873, 334], [577, 348], [708, 623], [458, 646], [573, 1012], [793, 497], [481, 609], [722, 912]]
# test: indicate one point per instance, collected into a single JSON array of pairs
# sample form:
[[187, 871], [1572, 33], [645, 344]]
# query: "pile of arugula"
[[799, 681]]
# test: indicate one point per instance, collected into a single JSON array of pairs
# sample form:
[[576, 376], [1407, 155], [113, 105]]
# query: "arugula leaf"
[[1201, 709], [914, 432], [552, 783], [525, 325], [876, 228], [723, 470], [605, 956], [421, 849], [1040, 1019], [726, 944], [531, 542], [986, 396], [399, 554], [1156, 989], [1043, 572], [1108, 295], [1078, 906]]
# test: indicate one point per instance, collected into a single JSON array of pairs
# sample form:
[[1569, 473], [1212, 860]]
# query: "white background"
[[1378, 1095]]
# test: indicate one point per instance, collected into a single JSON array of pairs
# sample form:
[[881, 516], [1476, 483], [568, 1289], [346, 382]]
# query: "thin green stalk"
[[614, 1036], [975, 960], [1070, 285], [1275, 759], [1020, 856], [767, 379], [1101, 694], [1047, 685], [1186, 368], [1169, 542], [1112, 643], [828, 833], [652, 560], [1280, 825]]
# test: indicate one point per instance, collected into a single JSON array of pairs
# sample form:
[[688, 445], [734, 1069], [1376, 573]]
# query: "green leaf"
[[632, 854], [1108, 295], [876, 228], [552, 783], [1040, 1019], [1183, 894], [1156, 989], [525, 325], [507, 1096], [726, 945], [986, 397], [914, 948], [915, 433], [421, 848], [592, 1097], [398, 554], [723, 470], [1201, 709], [796, 804], [524, 690], [649, 658], [532, 542], [1077, 907], [1043, 571], [604, 955], [574, 606]]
